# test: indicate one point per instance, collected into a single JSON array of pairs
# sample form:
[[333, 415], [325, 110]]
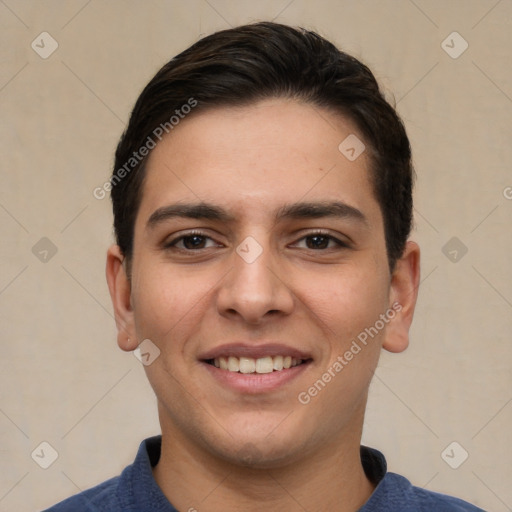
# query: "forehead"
[[255, 159]]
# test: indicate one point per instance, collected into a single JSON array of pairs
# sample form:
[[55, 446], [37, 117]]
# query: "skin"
[[223, 449]]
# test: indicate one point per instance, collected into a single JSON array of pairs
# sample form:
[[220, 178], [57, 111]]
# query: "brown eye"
[[192, 242], [318, 242]]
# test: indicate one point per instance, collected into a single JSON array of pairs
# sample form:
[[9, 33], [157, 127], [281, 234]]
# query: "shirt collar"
[[145, 491]]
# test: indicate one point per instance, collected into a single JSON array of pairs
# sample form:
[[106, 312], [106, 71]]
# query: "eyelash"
[[172, 243]]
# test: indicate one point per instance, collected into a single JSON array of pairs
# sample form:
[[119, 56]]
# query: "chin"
[[262, 446]]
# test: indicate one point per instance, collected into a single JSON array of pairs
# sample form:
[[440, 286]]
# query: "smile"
[[249, 365]]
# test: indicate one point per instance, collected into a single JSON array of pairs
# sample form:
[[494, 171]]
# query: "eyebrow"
[[316, 210], [189, 210], [303, 210]]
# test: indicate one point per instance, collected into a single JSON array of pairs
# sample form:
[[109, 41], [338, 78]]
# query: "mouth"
[[254, 369], [261, 365]]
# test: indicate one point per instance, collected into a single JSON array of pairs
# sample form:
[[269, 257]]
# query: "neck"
[[331, 478]]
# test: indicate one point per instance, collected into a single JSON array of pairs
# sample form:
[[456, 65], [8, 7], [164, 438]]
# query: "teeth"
[[247, 365], [250, 365], [264, 365], [278, 363], [233, 364]]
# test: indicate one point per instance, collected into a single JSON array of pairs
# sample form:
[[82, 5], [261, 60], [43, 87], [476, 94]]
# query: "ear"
[[120, 291], [402, 298]]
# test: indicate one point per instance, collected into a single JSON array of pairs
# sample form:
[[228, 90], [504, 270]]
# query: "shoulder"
[[395, 493], [133, 490]]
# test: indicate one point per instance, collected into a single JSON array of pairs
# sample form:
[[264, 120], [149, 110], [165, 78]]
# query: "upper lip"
[[253, 351]]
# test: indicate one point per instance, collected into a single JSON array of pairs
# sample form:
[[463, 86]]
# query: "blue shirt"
[[135, 490]]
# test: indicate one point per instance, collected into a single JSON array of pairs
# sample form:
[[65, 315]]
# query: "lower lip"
[[255, 383]]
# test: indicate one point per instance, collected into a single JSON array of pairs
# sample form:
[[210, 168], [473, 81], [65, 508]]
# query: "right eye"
[[192, 241]]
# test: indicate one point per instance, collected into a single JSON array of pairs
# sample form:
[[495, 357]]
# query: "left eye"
[[321, 241]]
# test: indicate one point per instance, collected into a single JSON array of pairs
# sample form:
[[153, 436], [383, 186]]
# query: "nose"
[[254, 289]]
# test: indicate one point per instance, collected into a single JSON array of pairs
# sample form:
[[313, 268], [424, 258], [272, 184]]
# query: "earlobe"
[[120, 292], [403, 294]]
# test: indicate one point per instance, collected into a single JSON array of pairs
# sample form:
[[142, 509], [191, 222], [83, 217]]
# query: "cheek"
[[347, 305], [346, 300], [166, 303]]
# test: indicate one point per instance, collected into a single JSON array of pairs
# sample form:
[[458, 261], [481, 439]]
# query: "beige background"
[[62, 378]]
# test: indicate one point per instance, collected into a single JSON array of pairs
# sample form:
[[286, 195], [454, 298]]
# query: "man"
[[262, 197]]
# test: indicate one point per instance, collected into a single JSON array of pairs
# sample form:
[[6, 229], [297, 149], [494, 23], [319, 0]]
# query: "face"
[[259, 262]]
